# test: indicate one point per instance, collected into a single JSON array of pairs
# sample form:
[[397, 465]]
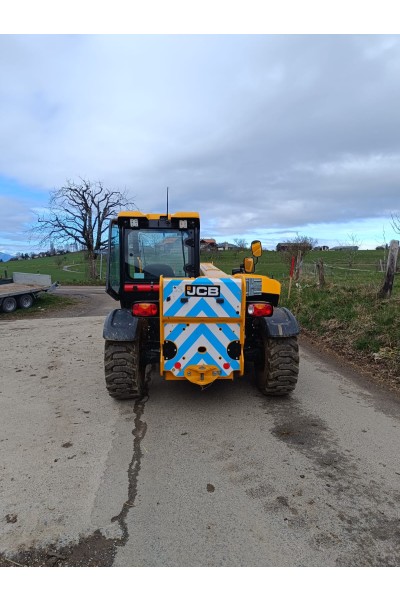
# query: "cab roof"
[[155, 216]]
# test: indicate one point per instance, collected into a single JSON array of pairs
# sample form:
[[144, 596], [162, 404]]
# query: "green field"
[[364, 264], [67, 269], [72, 268], [345, 315]]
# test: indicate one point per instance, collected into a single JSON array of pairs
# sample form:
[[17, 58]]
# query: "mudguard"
[[120, 326], [282, 324]]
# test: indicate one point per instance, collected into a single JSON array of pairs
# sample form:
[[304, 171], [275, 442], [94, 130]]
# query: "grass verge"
[[352, 321], [43, 306]]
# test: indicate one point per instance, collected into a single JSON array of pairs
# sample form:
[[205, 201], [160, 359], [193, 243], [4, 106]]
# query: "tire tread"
[[123, 373], [279, 372]]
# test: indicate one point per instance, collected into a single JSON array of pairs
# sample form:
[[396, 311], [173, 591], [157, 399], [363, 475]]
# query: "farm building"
[[227, 246], [208, 244]]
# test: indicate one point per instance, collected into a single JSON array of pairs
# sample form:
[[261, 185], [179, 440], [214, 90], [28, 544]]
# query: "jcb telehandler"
[[197, 322]]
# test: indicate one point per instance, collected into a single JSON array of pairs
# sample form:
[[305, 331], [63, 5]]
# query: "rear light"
[[260, 309], [144, 309], [141, 287]]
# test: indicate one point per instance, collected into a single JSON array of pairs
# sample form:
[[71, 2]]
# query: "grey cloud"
[[255, 132], [14, 214]]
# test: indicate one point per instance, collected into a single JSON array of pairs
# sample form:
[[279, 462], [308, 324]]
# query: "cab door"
[[113, 282]]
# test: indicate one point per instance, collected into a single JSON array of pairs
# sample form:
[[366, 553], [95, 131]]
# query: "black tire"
[[125, 376], [9, 305], [25, 301], [278, 368]]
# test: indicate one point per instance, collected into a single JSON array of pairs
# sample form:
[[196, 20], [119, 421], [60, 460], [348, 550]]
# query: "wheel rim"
[[9, 305], [26, 302]]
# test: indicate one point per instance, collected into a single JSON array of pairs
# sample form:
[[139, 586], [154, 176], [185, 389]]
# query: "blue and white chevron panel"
[[211, 338], [202, 297]]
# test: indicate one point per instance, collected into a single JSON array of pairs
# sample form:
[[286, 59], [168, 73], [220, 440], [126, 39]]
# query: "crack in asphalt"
[[138, 433]]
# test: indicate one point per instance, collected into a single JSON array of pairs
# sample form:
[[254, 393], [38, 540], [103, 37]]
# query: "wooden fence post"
[[386, 289], [321, 274], [291, 275], [299, 265]]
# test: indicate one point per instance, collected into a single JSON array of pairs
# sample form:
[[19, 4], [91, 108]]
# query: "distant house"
[[344, 248], [208, 245], [226, 246]]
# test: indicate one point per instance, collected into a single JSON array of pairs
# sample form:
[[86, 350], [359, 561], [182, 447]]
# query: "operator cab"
[[142, 247]]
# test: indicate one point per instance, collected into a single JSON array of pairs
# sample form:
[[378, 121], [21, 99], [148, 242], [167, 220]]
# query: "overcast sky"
[[267, 136]]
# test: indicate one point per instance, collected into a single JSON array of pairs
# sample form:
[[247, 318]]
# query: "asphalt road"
[[93, 301], [220, 477]]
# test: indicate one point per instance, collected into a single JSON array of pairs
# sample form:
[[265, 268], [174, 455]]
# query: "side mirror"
[[249, 265], [256, 248]]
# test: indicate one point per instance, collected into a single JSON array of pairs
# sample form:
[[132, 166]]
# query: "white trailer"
[[22, 290]]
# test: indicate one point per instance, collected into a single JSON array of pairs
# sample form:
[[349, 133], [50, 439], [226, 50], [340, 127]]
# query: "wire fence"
[[336, 273]]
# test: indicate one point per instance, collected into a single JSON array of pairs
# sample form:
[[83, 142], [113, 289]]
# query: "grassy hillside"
[[66, 269]]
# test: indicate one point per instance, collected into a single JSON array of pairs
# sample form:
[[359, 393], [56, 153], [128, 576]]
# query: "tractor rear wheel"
[[125, 375], [278, 367]]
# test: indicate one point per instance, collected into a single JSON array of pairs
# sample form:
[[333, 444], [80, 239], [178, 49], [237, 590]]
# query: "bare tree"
[[352, 248], [396, 222], [59, 260], [300, 244], [240, 243], [298, 247], [79, 212]]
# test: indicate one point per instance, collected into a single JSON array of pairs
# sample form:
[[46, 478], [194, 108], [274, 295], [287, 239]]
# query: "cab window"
[[151, 253], [114, 260]]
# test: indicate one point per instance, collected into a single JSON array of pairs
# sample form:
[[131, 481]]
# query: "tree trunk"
[[92, 265], [386, 289]]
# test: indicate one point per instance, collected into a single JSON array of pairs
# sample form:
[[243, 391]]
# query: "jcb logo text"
[[202, 290]]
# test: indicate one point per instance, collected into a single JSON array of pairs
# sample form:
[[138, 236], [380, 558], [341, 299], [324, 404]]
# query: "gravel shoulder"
[[57, 429]]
